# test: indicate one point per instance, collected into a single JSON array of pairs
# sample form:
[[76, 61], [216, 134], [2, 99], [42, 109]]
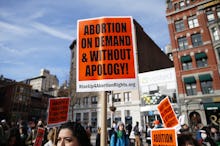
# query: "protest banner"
[[39, 137], [106, 57], [163, 137], [167, 113], [58, 110]]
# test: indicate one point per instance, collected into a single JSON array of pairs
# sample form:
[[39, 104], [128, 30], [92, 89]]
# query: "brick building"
[[195, 42], [15, 99]]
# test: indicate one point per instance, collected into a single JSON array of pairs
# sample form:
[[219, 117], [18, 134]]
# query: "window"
[[169, 5], [187, 65], [179, 25], [182, 4], [85, 118], [193, 22], [86, 100], [176, 6], [206, 83], [78, 101], [78, 117], [127, 96], [94, 119], [186, 62], [201, 59], [218, 12], [116, 97], [187, 2], [94, 100], [196, 40], [210, 16], [190, 84], [183, 44], [215, 33], [18, 89], [218, 51]]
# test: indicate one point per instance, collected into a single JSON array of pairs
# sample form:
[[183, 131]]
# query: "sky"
[[36, 34]]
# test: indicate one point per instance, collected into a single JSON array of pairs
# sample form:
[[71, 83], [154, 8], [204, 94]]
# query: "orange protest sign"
[[163, 137], [58, 110], [39, 137], [105, 51], [167, 113]]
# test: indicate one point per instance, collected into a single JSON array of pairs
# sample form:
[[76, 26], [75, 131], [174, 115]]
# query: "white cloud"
[[36, 15], [11, 62], [15, 29], [8, 51], [37, 34], [51, 31]]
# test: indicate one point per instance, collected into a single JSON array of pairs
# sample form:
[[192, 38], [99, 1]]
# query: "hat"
[[120, 123], [3, 121]]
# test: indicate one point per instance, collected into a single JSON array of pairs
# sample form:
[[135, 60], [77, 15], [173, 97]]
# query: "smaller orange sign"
[[163, 137], [40, 136], [167, 113], [58, 110]]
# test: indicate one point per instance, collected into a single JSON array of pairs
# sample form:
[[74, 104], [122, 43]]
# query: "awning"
[[205, 77], [200, 55], [186, 58], [212, 106], [189, 79]]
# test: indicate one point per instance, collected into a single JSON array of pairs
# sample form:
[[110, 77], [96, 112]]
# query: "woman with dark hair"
[[187, 140], [72, 134]]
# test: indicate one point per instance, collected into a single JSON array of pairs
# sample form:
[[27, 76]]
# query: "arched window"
[[195, 119]]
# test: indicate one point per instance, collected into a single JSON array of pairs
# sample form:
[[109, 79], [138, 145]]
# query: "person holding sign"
[[72, 134]]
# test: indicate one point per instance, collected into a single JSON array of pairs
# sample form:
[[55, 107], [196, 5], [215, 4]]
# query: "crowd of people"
[[204, 135], [74, 134], [25, 134]]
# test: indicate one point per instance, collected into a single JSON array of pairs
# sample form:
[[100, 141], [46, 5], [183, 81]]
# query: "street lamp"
[[112, 108]]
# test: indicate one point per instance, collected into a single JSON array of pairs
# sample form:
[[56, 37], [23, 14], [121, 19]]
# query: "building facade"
[[122, 105], [15, 100], [195, 41], [46, 83], [39, 105], [20, 102], [154, 86]]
